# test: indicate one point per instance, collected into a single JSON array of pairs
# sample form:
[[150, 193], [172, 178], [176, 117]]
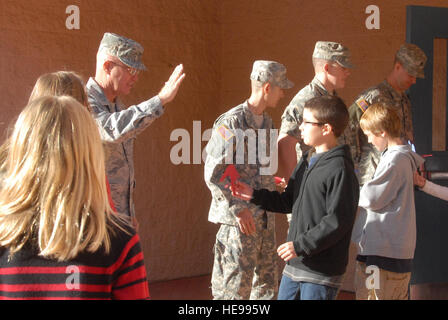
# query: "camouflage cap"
[[333, 51], [413, 59], [272, 72], [126, 50]]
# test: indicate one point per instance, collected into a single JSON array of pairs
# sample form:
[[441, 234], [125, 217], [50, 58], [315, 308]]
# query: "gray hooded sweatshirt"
[[385, 225]]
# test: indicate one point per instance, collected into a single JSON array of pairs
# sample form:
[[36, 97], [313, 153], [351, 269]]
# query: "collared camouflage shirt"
[[237, 140], [365, 156], [118, 128], [293, 115]]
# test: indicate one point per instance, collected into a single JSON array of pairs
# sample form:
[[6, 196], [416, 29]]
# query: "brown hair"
[[60, 83], [331, 110]]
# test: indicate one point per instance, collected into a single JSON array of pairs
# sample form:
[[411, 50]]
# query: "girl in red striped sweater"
[[58, 239]]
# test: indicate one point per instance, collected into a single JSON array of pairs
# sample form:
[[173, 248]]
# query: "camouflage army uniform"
[[293, 115], [118, 128], [245, 266], [365, 156]]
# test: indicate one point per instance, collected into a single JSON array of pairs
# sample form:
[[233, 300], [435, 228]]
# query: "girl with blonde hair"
[[58, 239], [59, 83]]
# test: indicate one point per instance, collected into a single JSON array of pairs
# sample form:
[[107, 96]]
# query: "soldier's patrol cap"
[[272, 72], [126, 50], [412, 58], [333, 51]]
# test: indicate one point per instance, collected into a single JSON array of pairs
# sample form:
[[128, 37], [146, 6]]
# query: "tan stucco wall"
[[217, 41]]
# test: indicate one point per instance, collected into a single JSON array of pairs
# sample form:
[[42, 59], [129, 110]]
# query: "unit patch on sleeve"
[[362, 104]]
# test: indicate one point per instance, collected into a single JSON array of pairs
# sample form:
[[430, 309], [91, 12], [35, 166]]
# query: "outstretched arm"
[[242, 191], [119, 125], [269, 200], [431, 188]]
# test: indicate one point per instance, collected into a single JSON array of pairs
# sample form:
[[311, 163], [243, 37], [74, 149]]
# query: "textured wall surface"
[[171, 200], [217, 41]]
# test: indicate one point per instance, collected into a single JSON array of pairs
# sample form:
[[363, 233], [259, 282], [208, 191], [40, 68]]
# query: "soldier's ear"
[[266, 88], [398, 65], [107, 66]]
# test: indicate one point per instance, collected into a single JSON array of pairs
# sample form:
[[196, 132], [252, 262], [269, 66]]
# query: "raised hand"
[[169, 90]]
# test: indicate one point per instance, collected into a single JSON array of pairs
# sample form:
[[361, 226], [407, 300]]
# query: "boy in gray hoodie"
[[385, 229]]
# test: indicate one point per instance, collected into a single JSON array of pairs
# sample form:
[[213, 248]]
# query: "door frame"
[[421, 21]]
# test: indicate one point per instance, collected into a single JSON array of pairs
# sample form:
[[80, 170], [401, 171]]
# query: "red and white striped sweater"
[[120, 274]]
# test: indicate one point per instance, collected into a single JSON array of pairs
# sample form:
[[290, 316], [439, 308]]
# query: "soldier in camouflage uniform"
[[118, 65], [245, 249], [331, 61], [408, 65]]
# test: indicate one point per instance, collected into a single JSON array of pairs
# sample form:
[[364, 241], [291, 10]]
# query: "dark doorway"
[[427, 27]]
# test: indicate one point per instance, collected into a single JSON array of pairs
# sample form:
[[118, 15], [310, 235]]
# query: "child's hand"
[[286, 251], [242, 190], [280, 183], [419, 181]]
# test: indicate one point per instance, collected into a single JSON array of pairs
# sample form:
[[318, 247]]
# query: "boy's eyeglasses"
[[313, 123]]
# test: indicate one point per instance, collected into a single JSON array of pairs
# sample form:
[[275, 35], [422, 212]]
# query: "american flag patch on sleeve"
[[225, 132]]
